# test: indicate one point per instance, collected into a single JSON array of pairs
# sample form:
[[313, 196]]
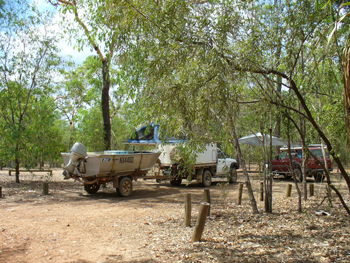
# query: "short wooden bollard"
[[198, 230], [188, 208], [207, 198], [289, 190], [0, 192], [240, 192], [311, 189], [45, 188], [261, 191]]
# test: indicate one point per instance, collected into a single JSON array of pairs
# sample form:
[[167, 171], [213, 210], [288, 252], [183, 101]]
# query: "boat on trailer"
[[117, 166]]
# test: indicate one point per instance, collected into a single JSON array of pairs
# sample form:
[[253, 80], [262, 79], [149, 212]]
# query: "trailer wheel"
[[125, 187], [232, 176], [91, 188], [206, 178]]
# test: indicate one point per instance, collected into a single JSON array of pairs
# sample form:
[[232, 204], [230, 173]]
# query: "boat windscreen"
[[144, 133]]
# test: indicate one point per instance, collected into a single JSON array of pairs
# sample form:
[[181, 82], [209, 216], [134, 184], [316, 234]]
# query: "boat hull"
[[112, 163]]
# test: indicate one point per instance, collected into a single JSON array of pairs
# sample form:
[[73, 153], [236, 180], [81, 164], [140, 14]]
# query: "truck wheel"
[[319, 177], [125, 187], [177, 181], [298, 174], [91, 188], [233, 176], [206, 178]]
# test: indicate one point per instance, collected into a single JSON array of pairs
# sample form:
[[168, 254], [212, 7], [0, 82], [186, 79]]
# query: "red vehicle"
[[281, 164]]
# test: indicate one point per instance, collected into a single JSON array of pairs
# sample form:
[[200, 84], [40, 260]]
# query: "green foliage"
[[191, 68], [28, 64]]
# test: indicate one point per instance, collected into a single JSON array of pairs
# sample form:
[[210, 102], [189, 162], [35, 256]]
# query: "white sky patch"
[[65, 44]]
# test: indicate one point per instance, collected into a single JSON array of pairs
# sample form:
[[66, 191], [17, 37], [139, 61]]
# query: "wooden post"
[[46, 188], [207, 198], [311, 187], [198, 230], [289, 190], [188, 208], [0, 192], [261, 191], [240, 191]]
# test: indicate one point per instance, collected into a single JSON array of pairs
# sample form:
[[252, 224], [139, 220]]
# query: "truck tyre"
[[319, 177], [298, 174], [176, 181], [206, 178], [233, 175], [125, 187], [91, 188]]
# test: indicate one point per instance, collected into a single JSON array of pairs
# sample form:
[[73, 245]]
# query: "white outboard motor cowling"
[[77, 154]]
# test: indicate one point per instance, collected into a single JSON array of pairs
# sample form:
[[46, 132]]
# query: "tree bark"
[[17, 170], [105, 105]]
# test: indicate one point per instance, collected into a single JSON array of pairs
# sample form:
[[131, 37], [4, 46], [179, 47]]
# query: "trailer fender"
[[199, 175], [116, 182]]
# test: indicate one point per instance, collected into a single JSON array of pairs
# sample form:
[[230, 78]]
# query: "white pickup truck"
[[210, 163]]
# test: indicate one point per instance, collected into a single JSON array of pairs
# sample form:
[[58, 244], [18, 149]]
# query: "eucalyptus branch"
[[249, 102], [33, 80], [289, 108], [217, 116]]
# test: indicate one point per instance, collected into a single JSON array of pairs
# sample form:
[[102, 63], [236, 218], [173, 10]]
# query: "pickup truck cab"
[[226, 163], [281, 164], [210, 161]]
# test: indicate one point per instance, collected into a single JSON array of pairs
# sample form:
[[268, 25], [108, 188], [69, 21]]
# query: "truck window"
[[283, 155], [221, 155], [318, 153], [299, 154]]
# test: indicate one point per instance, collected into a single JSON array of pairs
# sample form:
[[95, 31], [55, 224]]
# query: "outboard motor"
[[78, 153]]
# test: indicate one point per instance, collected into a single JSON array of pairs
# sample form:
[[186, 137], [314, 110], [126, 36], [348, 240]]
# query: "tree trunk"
[[293, 174], [71, 139], [242, 162], [268, 179], [105, 105], [17, 170], [346, 82]]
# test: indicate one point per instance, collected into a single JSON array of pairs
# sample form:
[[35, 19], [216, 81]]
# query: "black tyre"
[[91, 188], [206, 178], [233, 176], [176, 181], [298, 174], [125, 187], [319, 177]]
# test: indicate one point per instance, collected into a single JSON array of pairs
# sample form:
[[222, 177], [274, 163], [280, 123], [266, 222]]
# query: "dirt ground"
[[69, 225]]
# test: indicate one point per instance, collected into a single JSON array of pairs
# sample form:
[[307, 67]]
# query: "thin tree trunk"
[[71, 139], [268, 179], [17, 170], [105, 105], [291, 168], [346, 82], [242, 162], [234, 140]]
